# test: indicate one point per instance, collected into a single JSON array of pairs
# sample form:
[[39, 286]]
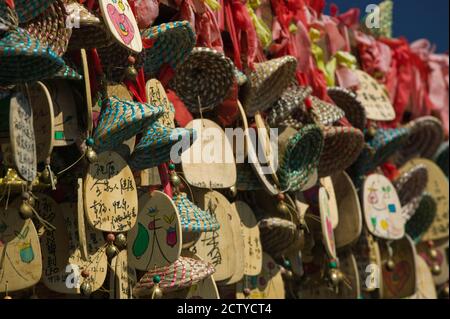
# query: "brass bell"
[[45, 176], [7, 297], [121, 241], [233, 191], [390, 265], [175, 180], [157, 292], [25, 210], [436, 269], [282, 208], [31, 201], [91, 155], [111, 251], [335, 277], [86, 289], [371, 132], [131, 73], [433, 253]]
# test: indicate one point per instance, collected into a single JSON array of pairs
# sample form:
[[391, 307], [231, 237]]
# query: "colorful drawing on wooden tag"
[[20, 251], [120, 20], [110, 195], [155, 240], [327, 183], [382, 209]]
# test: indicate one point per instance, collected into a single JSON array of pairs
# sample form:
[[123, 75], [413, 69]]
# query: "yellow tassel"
[[262, 30], [213, 4]]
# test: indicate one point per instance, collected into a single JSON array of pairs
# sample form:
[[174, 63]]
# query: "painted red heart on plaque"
[[396, 280]]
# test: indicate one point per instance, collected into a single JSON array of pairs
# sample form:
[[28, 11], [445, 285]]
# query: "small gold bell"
[[131, 73], [282, 208], [445, 291], [371, 132], [335, 277], [233, 191], [45, 176], [157, 292], [25, 210], [31, 201], [86, 289], [91, 155], [433, 253], [7, 297], [175, 180], [111, 251], [121, 241], [436, 269], [390, 265]]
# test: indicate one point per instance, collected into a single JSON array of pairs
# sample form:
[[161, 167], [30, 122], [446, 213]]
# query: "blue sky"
[[413, 19]]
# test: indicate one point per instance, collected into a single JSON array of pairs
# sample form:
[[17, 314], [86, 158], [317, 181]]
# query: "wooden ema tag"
[[156, 95], [110, 195], [437, 187], [368, 260], [327, 183], [401, 281], [155, 240], [326, 223], [65, 112], [61, 248], [209, 162], [20, 251], [316, 287], [441, 260], [121, 23], [425, 285], [216, 247], [239, 246], [87, 90], [123, 277], [349, 227], [22, 139], [382, 209], [252, 250], [204, 289], [269, 186], [266, 285], [374, 97], [80, 219], [43, 117]]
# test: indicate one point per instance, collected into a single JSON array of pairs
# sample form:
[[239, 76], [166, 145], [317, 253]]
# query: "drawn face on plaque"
[[437, 187], [121, 23], [250, 234], [155, 240], [326, 223], [156, 95], [209, 162], [22, 138], [63, 257], [20, 252], [65, 112], [373, 96], [216, 247], [382, 209], [267, 285], [110, 195], [43, 118], [401, 281]]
